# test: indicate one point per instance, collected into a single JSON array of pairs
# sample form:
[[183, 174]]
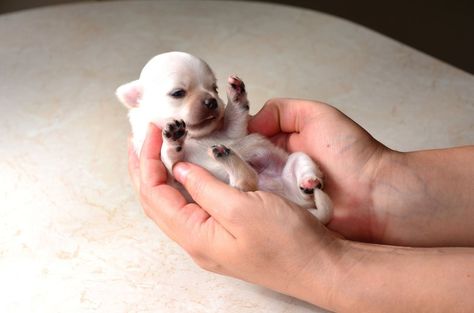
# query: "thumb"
[[213, 195], [266, 121]]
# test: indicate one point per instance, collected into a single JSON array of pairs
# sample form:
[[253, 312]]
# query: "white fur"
[[252, 161]]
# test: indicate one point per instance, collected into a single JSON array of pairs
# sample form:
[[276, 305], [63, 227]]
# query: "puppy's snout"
[[210, 103]]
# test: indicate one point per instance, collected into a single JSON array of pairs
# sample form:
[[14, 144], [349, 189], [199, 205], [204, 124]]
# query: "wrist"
[[315, 283], [384, 169], [391, 182], [381, 278], [414, 194]]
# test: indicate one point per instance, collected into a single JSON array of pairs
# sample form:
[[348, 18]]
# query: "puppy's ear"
[[130, 94]]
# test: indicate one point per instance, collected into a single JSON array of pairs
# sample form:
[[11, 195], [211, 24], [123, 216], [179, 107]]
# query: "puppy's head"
[[176, 85]]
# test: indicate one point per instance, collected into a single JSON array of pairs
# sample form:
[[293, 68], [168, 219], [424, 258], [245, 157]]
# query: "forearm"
[[428, 197], [372, 278]]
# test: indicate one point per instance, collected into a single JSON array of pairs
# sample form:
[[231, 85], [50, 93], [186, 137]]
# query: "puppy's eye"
[[214, 87], [178, 93]]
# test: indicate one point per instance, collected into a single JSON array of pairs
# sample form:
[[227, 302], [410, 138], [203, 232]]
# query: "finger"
[[152, 170], [284, 115], [214, 196], [133, 166], [162, 202], [185, 223], [275, 117], [167, 207]]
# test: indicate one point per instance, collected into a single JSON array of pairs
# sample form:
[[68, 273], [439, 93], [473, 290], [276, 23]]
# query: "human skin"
[[380, 195], [264, 239]]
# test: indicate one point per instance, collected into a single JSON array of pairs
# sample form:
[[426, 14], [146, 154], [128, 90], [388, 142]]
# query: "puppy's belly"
[[267, 159], [197, 152]]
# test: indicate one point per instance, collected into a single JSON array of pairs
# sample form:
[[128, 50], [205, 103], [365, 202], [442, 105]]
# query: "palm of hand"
[[347, 155]]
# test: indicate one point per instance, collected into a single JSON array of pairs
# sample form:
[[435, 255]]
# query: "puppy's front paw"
[[174, 133], [236, 92], [309, 184]]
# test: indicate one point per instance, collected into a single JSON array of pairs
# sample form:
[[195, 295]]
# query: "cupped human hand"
[[347, 154], [258, 237]]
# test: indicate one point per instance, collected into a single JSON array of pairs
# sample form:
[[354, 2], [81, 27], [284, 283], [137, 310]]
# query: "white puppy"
[[178, 92]]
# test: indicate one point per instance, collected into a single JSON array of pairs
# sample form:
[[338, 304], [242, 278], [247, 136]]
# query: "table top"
[[73, 237]]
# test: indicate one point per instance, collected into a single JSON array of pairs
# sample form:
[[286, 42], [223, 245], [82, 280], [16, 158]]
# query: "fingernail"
[[180, 171]]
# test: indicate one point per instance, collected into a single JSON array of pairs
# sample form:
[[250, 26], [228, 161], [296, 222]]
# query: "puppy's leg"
[[241, 174], [304, 181], [172, 151], [237, 110]]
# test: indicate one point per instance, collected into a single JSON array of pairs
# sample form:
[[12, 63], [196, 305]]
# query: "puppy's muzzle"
[[210, 103]]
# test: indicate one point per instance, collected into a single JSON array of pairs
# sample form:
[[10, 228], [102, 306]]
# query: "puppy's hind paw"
[[175, 133], [308, 185], [236, 92], [219, 152]]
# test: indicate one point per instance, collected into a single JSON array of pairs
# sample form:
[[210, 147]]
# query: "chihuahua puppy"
[[177, 92]]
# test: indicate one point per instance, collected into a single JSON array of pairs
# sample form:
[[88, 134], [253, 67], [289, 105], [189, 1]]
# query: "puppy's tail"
[[324, 208]]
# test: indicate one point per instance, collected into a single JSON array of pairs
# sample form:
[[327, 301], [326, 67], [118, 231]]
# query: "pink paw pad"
[[220, 151], [237, 85], [308, 185]]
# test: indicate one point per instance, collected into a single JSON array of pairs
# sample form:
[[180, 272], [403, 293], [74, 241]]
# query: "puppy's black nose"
[[210, 103]]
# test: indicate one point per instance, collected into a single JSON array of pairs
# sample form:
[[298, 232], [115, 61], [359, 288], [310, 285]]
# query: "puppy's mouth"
[[202, 123]]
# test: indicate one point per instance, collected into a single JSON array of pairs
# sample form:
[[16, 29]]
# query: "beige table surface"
[[73, 237]]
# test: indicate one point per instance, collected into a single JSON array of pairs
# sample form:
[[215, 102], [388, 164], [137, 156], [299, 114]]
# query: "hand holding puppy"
[[379, 195], [255, 236], [346, 153], [264, 239]]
